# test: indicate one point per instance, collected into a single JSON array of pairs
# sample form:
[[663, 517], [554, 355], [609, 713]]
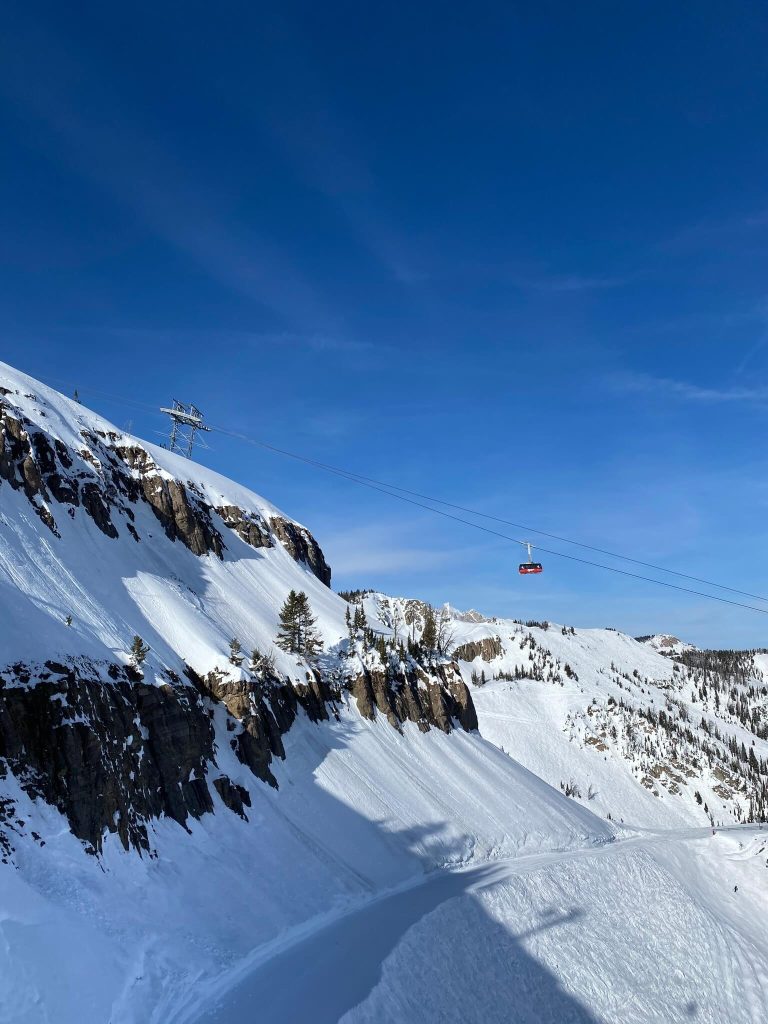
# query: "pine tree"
[[261, 664], [381, 647], [139, 651], [297, 633], [310, 643], [351, 632], [429, 633], [288, 633], [236, 656]]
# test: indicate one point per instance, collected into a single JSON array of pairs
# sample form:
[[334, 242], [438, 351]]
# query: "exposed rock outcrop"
[[113, 752], [302, 546], [488, 648], [183, 516], [236, 798], [110, 755], [108, 476], [435, 696], [249, 526], [262, 710]]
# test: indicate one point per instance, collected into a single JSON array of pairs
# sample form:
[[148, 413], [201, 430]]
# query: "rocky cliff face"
[[488, 648], [114, 751], [109, 753], [432, 696], [107, 478]]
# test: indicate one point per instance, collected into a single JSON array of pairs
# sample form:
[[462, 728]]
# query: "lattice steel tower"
[[186, 421]]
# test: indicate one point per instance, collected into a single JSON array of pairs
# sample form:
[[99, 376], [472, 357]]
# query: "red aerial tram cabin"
[[526, 568], [529, 567]]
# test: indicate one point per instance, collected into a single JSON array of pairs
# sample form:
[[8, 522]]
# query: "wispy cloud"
[[255, 339], [73, 116], [387, 549], [714, 229], [647, 384], [571, 282], [521, 278], [704, 320], [315, 138], [326, 343]]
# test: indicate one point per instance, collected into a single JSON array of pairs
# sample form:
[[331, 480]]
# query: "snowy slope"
[[368, 807], [360, 809], [185, 607], [589, 728], [640, 933], [568, 703], [360, 806]]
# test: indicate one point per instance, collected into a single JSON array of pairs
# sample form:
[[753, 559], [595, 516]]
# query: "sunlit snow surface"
[[392, 877]]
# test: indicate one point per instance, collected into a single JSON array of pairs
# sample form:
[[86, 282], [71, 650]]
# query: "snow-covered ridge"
[[89, 483], [303, 788], [631, 731], [667, 644], [648, 729], [65, 419]]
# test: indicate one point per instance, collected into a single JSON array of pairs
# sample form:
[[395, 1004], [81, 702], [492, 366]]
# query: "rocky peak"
[[109, 474]]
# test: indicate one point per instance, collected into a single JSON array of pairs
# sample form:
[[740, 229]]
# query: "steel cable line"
[[496, 519], [121, 399], [395, 491], [383, 489], [567, 540]]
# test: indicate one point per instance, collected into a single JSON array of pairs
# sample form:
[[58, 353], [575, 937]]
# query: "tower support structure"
[[186, 422]]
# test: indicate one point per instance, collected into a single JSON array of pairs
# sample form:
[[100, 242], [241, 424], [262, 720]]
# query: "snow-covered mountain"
[[198, 834], [665, 643], [653, 733]]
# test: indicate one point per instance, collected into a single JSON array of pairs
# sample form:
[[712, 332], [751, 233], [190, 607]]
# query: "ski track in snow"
[[396, 876], [327, 972]]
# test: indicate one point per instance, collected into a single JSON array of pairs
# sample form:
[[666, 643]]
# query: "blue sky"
[[513, 255]]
